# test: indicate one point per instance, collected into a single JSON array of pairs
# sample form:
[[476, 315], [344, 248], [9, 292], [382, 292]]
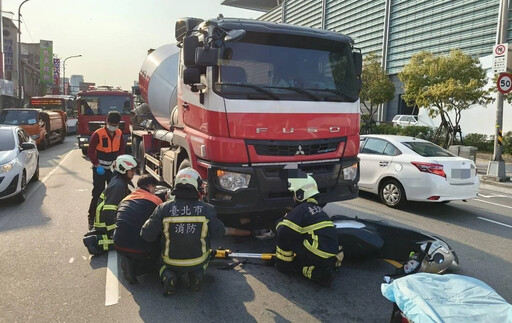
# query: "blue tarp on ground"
[[426, 297]]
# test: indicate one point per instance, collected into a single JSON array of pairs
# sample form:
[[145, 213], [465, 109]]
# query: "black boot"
[[91, 243], [128, 266], [195, 280], [169, 280]]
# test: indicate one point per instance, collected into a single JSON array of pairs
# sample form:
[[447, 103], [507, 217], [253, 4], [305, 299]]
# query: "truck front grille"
[[306, 148]]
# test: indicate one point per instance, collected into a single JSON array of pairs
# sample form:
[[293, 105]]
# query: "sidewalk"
[[505, 187]]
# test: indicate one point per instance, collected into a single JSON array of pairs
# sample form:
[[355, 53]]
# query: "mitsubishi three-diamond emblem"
[[299, 151]]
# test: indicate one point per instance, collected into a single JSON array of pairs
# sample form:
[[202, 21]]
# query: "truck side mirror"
[[192, 75], [185, 25], [190, 44], [206, 56], [358, 63]]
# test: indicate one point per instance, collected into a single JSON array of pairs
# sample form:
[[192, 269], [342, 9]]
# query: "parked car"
[[405, 120], [401, 169], [19, 162]]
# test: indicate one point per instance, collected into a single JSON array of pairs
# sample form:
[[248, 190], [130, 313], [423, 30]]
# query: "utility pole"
[[496, 169], [20, 74], [64, 68]]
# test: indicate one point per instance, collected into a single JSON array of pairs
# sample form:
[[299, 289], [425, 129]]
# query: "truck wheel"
[[44, 143], [62, 136], [392, 194]]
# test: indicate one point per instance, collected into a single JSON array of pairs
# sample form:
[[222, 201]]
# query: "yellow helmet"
[[303, 188], [188, 176]]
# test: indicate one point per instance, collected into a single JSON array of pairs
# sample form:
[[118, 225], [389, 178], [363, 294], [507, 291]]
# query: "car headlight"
[[34, 136], [82, 139], [232, 181], [7, 167], [350, 173]]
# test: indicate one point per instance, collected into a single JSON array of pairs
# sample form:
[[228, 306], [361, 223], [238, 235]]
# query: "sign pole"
[[496, 168]]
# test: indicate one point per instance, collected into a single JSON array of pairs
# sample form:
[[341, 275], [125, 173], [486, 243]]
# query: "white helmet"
[[188, 176], [124, 163], [303, 188]]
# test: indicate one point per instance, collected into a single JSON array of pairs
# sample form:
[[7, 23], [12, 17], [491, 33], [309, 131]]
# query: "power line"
[[26, 27]]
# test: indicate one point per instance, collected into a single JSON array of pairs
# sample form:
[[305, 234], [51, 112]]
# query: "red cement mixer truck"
[[244, 102]]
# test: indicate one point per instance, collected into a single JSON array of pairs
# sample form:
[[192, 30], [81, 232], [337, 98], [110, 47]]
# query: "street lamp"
[[19, 49], [64, 68]]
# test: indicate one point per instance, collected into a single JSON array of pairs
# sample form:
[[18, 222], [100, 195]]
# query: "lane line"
[[495, 222], [42, 181], [57, 167], [489, 196], [508, 207], [112, 283]]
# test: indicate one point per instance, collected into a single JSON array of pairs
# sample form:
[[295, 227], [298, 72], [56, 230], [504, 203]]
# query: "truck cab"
[[93, 107], [246, 102]]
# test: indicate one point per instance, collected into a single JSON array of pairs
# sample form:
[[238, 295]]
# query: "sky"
[[112, 36]]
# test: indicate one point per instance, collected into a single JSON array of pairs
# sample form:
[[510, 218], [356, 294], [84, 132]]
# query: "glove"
[[100, 170]]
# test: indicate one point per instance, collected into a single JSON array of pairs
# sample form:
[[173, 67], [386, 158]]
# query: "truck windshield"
[[18, 117], [102, 105], [285, 67]]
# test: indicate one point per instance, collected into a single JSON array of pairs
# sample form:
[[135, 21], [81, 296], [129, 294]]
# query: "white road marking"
[[489, 196], [57, 167], [112, 283], [496, 222], [71, 260], [36, 187], [506, 206]]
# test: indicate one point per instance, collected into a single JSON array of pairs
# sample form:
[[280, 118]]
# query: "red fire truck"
[[94, 105]]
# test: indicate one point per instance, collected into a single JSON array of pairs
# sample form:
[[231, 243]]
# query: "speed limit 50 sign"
[[505, 83]]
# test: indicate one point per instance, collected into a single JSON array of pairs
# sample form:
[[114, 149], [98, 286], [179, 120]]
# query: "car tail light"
[[435, 169], [434, 198]]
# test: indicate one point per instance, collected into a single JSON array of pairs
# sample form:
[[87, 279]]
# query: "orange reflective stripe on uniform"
[[113, 144]]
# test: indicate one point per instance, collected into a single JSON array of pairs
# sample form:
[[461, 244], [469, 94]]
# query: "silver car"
[[19, 162]]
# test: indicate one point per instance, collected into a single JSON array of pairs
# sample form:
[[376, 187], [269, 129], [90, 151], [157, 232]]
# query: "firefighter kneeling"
[[187, 224], [306, 238]]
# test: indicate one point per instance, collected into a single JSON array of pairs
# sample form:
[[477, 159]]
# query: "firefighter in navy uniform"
[[187, 225], [137, 255], [99, 240], [307, 241], [105, 145]]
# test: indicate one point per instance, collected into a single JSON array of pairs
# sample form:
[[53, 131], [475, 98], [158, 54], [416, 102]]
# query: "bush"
[[385, 129], [507, 143], [482, 142], [422, 132]]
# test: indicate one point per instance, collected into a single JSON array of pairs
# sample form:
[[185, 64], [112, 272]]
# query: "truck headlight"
[[7, 167], [82, 139], [350, 173], [232, 181], [34, 136]]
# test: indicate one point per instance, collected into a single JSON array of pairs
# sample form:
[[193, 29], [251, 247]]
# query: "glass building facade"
[[397, 29]]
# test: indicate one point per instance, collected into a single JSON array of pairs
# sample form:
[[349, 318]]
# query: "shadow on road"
[[14, 216]]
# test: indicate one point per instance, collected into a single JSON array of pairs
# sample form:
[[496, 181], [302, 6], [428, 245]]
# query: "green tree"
[[442, 84], [376, 89]]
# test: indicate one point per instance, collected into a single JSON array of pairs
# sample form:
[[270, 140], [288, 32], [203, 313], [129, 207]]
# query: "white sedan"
[[19, 162], [401, 169]]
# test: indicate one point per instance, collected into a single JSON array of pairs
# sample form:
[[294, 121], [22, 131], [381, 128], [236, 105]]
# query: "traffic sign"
[[505, 83], [502, 61]]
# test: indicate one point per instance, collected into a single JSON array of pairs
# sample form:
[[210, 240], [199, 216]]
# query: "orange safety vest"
[[142, 194], [107, 145]]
